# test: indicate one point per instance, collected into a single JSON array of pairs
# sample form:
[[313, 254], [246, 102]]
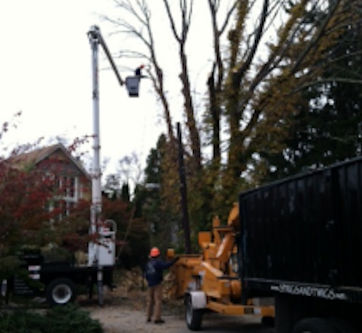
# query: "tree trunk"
[[189, 110]]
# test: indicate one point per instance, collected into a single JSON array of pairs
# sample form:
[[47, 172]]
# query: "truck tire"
[[314, 325], [193, 317], [60, 291]]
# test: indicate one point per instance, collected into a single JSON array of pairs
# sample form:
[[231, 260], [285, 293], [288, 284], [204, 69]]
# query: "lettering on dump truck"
[[321, 292]]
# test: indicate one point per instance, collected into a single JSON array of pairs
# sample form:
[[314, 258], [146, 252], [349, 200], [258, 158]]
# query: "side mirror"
[[132, 85]]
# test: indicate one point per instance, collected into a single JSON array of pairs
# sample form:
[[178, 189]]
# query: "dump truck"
[[210, 281], [301, 243]]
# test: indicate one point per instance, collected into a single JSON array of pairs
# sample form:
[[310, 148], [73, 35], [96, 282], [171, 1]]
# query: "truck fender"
[[198, 299]]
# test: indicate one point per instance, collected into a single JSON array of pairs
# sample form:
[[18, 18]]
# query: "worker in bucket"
[[138, 70], [154, 276]]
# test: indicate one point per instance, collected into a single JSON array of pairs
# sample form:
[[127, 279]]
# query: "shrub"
[[62, 319]]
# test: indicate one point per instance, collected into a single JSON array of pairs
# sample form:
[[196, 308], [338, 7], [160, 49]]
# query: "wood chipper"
[[211, 281]]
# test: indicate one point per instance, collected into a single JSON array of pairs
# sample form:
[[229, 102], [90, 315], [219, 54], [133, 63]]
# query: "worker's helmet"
[[155, 252]]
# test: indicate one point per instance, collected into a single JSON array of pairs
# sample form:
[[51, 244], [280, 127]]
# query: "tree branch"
[[327, 80], [172, 21], [240, 73], [315, 40], [227, 17]]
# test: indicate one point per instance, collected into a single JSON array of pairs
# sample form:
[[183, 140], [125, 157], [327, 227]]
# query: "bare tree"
[[130, 169], [142, 30], [185, 7], [216, 78], [276, 50]]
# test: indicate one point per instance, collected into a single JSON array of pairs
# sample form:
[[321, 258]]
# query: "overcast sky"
[[45, 72]]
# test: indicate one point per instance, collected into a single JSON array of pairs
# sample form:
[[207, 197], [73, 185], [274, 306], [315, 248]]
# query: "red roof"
[[36, 156]]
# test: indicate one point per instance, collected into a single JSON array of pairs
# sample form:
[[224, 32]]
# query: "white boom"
[[102, 252]]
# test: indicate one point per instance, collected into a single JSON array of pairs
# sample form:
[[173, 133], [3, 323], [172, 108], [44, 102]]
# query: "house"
[[71, 179]]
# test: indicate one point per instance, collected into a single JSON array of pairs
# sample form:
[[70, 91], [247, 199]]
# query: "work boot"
[[159, 321]]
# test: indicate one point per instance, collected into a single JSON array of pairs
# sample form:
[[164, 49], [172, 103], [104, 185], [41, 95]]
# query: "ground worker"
[[154, 275]]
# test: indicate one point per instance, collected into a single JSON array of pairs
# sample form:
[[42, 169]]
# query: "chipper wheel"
[[193, 316]]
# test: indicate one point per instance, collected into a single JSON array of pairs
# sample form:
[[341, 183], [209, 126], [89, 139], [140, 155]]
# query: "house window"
[[68, 196], [70, 188]]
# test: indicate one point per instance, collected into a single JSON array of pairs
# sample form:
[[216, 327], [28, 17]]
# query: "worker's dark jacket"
[[154, 269]]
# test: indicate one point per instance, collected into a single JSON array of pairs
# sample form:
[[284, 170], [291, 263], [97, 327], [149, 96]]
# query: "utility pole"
[[183, 192]]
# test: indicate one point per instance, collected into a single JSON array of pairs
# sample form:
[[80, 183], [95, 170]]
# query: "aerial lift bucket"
[[132, 85]]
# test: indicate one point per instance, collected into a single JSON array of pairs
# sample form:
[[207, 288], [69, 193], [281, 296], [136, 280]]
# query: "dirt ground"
[[126, 313], [124, 310]]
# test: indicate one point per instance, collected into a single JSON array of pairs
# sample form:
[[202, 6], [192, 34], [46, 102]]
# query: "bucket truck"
[[59, 279]]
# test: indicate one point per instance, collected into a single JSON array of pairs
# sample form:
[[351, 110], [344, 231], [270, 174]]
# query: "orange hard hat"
[[155, 252]]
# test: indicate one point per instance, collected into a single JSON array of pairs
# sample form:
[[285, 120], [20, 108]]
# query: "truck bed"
[[302, 235]]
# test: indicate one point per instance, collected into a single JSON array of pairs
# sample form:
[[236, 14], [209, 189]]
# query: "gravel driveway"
[[125, 314]]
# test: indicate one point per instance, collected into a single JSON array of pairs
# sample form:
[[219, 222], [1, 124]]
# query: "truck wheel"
[[193, 317], [314, 325], [60, 292]]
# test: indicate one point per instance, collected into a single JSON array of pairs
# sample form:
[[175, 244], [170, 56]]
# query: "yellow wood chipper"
[[211, 281]]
